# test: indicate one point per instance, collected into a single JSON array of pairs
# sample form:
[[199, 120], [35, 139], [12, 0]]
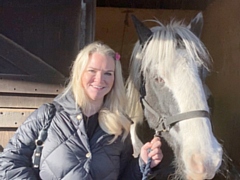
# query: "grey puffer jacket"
[[68, 154]]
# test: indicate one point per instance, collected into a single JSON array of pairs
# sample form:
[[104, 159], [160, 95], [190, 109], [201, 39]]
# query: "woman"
[[88, 137]]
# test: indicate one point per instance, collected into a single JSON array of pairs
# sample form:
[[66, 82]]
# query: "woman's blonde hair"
[[112, 118]]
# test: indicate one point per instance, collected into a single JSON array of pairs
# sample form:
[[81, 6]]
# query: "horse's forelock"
[[158, 52]]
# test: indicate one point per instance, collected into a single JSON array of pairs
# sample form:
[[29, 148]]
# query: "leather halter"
[[165, 123]]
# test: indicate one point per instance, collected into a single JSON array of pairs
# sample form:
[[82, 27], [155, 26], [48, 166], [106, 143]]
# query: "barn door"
[[38, 42]]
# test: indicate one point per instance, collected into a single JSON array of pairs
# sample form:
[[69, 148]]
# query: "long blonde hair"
[[112, 117]]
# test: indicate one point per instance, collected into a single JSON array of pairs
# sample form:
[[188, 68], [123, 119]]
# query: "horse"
[[167, 92]]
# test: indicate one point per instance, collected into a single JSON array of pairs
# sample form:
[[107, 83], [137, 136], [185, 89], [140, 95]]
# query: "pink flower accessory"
[[117, 56]]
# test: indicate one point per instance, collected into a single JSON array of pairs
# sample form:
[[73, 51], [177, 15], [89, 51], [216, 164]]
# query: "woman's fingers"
[[156, 152], [152, 150]]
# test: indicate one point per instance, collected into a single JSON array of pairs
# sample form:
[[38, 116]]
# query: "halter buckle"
[[163, 125]]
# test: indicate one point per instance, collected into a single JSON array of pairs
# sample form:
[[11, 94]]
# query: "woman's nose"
[[99, 76]]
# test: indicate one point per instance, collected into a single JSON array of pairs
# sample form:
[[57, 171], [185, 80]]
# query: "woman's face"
[[98, 77]]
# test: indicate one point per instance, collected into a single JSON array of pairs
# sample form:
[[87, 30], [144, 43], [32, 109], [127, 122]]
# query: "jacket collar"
[[68, 103]]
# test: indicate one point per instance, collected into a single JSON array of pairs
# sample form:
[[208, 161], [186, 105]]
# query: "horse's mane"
[[157, 56]]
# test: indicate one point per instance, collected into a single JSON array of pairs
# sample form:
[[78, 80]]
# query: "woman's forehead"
[[101, 61]]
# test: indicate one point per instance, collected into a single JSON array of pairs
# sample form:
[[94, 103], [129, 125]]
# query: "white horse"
[[167, 74]]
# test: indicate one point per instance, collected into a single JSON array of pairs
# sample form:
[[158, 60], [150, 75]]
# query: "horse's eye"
[[159, 80]]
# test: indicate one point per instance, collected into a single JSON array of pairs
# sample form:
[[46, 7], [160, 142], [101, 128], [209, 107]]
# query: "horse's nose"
[[204, 167]]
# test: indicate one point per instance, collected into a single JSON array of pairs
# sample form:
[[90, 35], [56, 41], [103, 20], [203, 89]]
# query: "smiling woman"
[[90, 127]]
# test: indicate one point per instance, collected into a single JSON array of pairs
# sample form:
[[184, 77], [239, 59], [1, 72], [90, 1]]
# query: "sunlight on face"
[[98, 77]]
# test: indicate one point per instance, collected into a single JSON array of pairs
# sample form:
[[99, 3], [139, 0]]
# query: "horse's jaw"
[[196, 162]]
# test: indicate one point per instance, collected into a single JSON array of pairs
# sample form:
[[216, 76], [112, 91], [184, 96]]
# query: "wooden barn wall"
[[39, 40], [222, 38], [45, 30], [221, 35]]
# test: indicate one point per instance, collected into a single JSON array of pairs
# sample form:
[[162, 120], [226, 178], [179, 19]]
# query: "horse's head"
[[167, 74]]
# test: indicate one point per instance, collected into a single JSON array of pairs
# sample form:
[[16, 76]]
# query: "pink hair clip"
[[117, 56]]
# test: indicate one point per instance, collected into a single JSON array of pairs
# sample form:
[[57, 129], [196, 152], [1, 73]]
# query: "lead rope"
[[146, 170]]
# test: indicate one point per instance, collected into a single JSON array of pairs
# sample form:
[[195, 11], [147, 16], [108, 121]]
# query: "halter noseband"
[[165, 123]]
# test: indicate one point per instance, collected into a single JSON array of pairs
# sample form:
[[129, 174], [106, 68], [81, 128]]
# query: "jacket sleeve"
[[16, 159], [129, 166]]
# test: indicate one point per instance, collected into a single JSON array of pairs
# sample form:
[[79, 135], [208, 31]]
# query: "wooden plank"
[[5, 135], [23, 101], [16, 85], [13, 118]]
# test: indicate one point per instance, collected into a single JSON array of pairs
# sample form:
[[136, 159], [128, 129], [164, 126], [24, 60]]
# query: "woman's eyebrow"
[[100, 69], [109, 71]]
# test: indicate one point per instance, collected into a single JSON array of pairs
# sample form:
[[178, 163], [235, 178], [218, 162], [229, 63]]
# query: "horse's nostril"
[[197, 164]]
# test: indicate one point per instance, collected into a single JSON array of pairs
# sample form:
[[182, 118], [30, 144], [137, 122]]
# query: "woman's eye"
[[108, 73], [91, 70]]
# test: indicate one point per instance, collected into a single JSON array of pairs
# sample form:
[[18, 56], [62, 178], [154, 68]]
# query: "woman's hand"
[[155, 152]]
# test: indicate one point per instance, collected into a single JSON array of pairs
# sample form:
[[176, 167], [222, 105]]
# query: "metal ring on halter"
[[163, 125], [157, 133]]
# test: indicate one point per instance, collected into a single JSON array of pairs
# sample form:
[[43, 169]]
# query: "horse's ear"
[[196, 25], [143, 31]]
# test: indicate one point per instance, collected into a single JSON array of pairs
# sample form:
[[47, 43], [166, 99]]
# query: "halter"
[[165, 123]]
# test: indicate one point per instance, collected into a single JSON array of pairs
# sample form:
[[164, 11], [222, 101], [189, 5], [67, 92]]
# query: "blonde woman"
[[88, 137]]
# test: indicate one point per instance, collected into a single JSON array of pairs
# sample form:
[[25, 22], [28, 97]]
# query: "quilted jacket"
[[67, 154]]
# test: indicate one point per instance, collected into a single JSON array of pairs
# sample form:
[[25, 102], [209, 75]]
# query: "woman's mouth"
[[98, 87]]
